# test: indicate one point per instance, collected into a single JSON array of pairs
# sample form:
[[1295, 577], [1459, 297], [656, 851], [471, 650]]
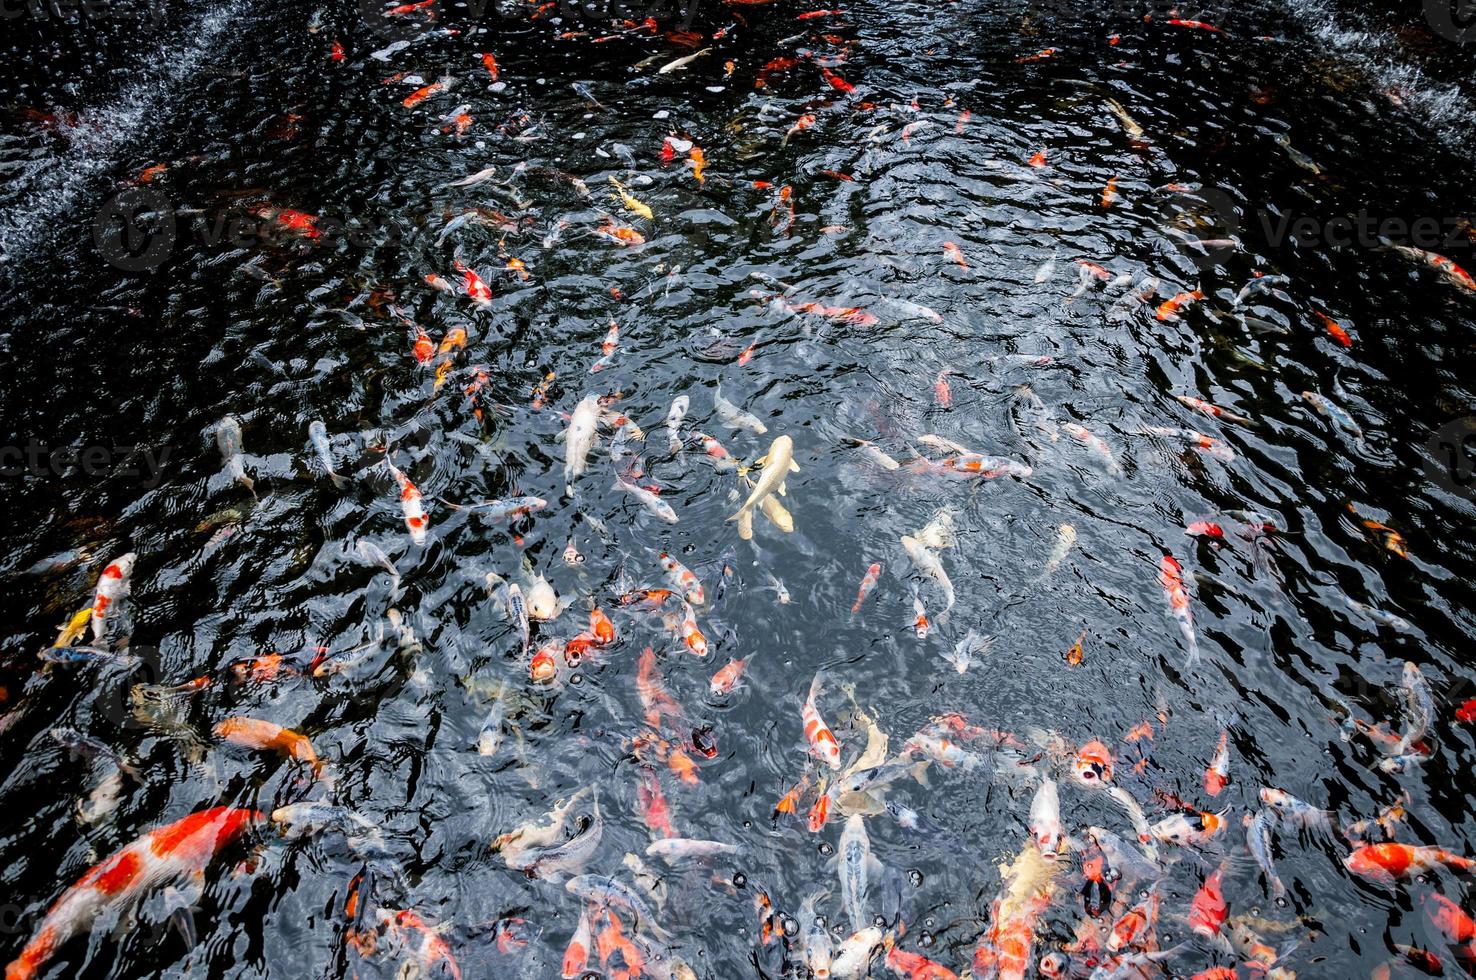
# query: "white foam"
[[54, 187]]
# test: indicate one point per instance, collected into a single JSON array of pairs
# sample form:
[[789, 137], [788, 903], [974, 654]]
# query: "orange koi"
[[1217, 774], [836, 82], [1334, 328], [699, 163], [868, 581], [1109, 193], [489, 62], [421, 94], [955, 254], [258, 734], [1169, 309], [1039, 159]]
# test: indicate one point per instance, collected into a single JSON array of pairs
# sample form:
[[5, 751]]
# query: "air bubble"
[[826, 848], [740, 879], [915, 876], [790, 926], [926, 940]]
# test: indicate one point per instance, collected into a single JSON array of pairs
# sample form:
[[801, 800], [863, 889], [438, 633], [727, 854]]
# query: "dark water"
[[149, 349]]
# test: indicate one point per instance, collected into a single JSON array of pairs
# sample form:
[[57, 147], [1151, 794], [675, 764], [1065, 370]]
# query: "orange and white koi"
[[1171, 577], [1135, 925], [721, 458], [1095, 443], [868, 582], [955, 255], [576, 954], [1383, 863], [699, 163], [819, 736], [422, 940], [1217, 773], [421, 94], [1443, 265], [1214, 411], [607, 348], [620, 233], [727, 677], [1093, 764], [1198, 25], [113, 584], [1169, 308], [179, 850], [1038, 159], [920, 624], [1193, 828], [1109, 193]]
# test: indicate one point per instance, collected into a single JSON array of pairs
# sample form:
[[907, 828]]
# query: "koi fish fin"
[[782, 491], [745, 524], [339, 481], [793, 466]]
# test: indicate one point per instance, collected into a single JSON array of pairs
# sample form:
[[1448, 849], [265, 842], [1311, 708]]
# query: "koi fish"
[[674, 417], [318, 435], [868, 582], [489, 62], [727, 677], [477, 290], [1340, 417], [1195, 827], [970, 648], [1095, 443], [620, 234], [1171, 577], [1109, 193], [1093, 764], [607, 891], [179, 850], [1217, 773], [1065, 540], [647, 499], [699, 163], [1334, 329], [1440, 263], [1198, 25], [113, 584], [1383, 863], [255, 733], [714, 450], [228, 441], [630, 202], [576, 955], [854, 866], [1215, 411], [1096, 894], [1209, 910], [1169, 308], [1045, 819], [819, 736], [1136, 923], [955, 255], [410, 505], [920, 625], [421, 94]]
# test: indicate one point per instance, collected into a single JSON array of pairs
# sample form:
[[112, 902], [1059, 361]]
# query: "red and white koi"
[[1171, 577], [179, 850], [1095, 443], [818, 734], [113, 584], [411, 505]]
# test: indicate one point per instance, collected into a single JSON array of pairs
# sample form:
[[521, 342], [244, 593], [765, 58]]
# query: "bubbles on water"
[[740, 879], [576, 678], [926, 939], [826, 848], [789, 925], [916, 877]]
